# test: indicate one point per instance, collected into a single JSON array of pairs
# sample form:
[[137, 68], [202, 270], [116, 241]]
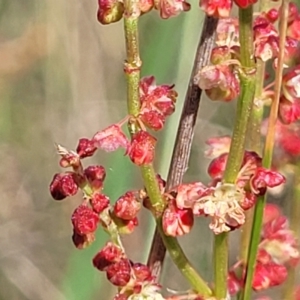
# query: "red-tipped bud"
[[95, 176], [233, 283], [84, 220], [264, 178], [127, 206], [125, 226], [119, 273], [141, 272], [85, 148], [217, 166], [109, 11], [219, 82], [216, 8], [175, 221], [142, 148], [68, 158], [272, 15], [107, 256], [152, 118], [63, 185], [111, 138], [99, 202], [82, 241], [171, 8]]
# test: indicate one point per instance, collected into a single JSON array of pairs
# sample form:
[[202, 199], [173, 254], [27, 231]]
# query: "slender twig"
[[185, 133], [268, 153]]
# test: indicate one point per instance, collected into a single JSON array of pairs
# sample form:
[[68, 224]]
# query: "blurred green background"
[[61, 79]]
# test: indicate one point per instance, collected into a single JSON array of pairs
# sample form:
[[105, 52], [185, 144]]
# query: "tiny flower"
[[95, 176], [152, 118], [188, 193], [219, 82], [63, 185], [234, 285], [82, 241], [227, 32], [107, 256], [223, 206], [148, 292], [68, 158], [141, 272], [216, 8], [248, 201], [127, 206], [99, 202], [110, 11], [84, 220], [176, 221], [111, 138], [85, 148], [217, 166], [271, 212], [145, 5], [171, 8], [217, 146], [119, 273], [125, 226], [264, 178], [142, 148], [272, 15]]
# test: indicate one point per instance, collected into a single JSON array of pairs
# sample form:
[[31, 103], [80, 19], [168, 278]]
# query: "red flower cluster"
[[278, 249]]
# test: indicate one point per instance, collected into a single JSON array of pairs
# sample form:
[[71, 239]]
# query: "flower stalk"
[[268, 153], [132, 71], [244, 106]]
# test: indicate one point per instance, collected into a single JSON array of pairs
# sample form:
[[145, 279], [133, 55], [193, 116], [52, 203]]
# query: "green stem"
[[268, 153], [236, 153], [132, 71]]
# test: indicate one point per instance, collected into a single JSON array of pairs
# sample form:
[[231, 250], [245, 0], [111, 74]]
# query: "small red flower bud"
[[217, 166], [85, 148], [219, 82], [127, 206], [110, 11], [264, 178], [141, 272], [63, 185], [82, 241], [125, 226], [175, 221], [84, 220], [233, 283], [95, 176], [119, 273], [111, 138], [216, 8], [244, 3], [272, 15], [271, 212], [153, 119], [68, 158], [171, 8], [107, 256], [142, 148], [99, 202]]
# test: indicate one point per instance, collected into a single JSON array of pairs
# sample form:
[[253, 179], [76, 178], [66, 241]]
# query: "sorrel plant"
[[253, 59]]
